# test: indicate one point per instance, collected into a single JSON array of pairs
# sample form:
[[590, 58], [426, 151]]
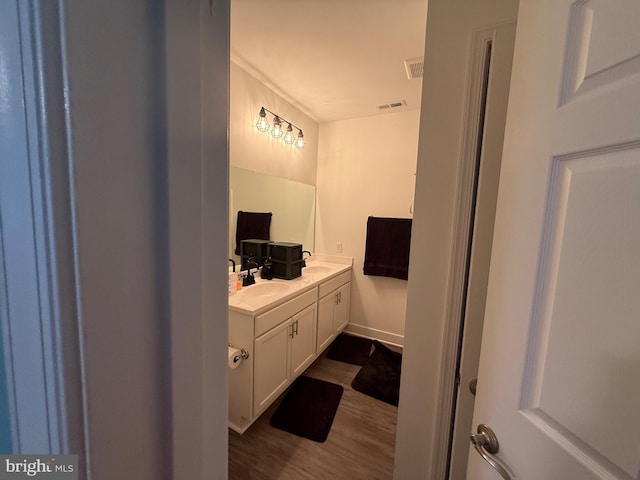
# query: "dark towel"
[[387, 248], [252, 225]]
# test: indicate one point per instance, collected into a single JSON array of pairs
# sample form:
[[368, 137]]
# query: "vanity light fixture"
[[288, 137], [277, 130], [262, 124]]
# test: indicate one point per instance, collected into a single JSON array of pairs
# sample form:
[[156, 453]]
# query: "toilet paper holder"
[[244, 353]]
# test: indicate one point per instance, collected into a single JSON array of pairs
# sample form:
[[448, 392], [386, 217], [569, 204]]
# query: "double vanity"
[[284, 325]]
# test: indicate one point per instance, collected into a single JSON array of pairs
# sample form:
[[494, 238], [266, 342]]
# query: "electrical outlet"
[[339, 247]]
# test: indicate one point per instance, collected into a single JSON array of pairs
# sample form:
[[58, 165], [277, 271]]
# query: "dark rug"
[[380, 377], [350, 349], [308, 408]]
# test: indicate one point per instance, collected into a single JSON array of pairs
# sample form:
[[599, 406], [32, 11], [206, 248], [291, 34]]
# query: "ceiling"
[[333, 59]]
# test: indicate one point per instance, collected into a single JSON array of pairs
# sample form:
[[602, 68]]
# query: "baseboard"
[[368, 332], [233, 426]]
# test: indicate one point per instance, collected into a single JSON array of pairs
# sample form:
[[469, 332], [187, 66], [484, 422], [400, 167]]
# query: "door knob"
[[486, 444], [472, 386]]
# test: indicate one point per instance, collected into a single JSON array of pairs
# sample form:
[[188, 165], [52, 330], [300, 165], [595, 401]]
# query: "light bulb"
[[288, 137], [262, 124], [300, 140], [276, 131]]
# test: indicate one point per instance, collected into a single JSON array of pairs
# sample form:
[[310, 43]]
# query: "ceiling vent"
[[414, 67], [385, 106]]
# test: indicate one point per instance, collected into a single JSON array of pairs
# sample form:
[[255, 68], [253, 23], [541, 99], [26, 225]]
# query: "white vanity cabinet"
[[281, 354], [283, 330], [281, 343], [333, 309]]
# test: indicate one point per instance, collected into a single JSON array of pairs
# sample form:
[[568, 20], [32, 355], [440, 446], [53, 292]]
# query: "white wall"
[[450, 24], [115, 108], [366, 167], [258, 151], [143, 116], [197, 76]]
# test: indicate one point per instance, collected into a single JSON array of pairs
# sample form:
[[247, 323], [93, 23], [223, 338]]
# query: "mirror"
[[293, 205]]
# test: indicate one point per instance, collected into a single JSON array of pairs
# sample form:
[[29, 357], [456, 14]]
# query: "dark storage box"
[[258, 249], [286, 270], [286, 258], [285, 251]]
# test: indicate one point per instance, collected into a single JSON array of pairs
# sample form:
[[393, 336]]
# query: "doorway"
[[490, 67], [359, 139]]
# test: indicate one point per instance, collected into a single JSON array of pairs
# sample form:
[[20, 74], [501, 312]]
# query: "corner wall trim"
[[480, 41]]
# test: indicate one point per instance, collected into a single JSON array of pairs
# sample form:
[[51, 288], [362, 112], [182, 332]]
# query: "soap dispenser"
[[266, 272], [233, 279]]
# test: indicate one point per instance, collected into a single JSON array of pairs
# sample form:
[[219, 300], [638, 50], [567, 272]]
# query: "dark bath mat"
[[350, 349], [308, 408], [380, 377]]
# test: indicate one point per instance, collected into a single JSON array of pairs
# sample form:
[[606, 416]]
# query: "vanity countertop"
[[267, 294]]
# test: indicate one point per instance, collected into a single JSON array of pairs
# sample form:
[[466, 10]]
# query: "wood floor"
[[360, 445]]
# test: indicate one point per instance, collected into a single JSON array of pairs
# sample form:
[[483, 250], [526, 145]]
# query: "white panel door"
[[303, 341], [559, 378], [341, 308], [326, 332], [271, 366]]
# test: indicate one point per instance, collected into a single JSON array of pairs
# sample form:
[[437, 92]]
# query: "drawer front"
[[336, 282], [272, 318]]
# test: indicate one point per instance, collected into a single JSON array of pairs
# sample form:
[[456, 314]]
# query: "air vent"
[[385, 106], [414, 67]]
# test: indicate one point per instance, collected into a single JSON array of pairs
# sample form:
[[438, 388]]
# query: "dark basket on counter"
[[286, 259]]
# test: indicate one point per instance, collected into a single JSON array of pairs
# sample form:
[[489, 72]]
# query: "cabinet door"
[[271, 366], [326, 331], [341, 308], [303, 342]]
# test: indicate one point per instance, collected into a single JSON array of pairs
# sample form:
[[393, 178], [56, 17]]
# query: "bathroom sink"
[[315, 270], [265, 289]]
